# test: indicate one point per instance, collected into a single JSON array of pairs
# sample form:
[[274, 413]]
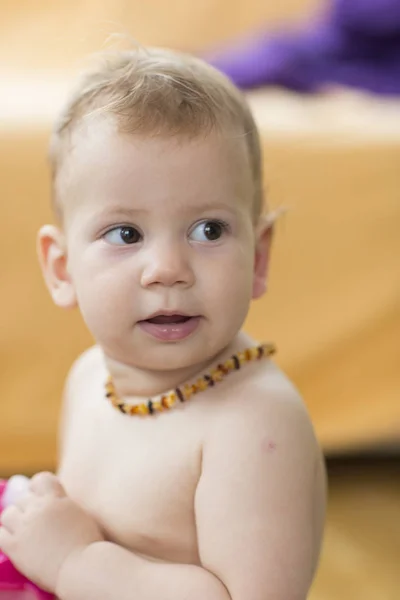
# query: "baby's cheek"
[[237, 274], [232, 294], [103, 305]]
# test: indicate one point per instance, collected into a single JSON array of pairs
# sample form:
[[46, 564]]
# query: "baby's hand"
[[43, 529]]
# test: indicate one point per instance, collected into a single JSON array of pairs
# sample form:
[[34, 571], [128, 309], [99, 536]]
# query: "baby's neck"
[[134, 384]]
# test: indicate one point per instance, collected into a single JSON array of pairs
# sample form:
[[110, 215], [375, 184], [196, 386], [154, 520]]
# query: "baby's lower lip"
[[170, 332]]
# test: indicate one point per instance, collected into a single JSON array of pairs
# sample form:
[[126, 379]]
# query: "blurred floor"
[[361, 555]]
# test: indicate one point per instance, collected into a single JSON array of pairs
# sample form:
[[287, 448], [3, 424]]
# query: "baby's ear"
[[52, 253], [264, 234]]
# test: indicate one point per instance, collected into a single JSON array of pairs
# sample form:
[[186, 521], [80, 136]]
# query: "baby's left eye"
[[208, 231], [121, 236]]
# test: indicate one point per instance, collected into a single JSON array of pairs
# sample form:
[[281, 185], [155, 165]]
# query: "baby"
[[189, 468]]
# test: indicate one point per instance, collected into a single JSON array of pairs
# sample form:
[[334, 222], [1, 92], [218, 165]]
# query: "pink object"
[[13, 585]]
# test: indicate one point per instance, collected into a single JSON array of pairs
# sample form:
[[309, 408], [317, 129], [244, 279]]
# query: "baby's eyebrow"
[[191, 207], [123, 211], [205, 206]]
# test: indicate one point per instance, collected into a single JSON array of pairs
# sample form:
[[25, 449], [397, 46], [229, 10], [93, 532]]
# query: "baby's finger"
[[44, 484], [6, 541], [23, 502], [10, 518]]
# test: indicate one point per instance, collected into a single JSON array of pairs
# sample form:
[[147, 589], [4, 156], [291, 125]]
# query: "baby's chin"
[[165, 357]]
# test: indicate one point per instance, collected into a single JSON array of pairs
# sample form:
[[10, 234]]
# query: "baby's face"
[[160, 244]]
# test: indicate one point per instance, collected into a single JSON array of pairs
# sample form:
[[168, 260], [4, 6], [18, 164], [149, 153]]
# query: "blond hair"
[[154, 91]]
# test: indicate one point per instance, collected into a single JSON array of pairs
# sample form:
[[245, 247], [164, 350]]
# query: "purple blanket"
[[355, 43]]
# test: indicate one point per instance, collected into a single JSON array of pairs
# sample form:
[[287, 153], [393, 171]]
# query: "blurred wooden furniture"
[[333, 162], [361, 549]]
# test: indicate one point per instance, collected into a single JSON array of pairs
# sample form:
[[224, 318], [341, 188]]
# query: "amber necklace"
[[185, 392]]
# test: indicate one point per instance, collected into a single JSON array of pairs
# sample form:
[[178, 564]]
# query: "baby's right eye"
[[121, 236]]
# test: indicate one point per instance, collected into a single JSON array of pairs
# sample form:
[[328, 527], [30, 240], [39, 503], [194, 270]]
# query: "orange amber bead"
[[201, 385], [216, 375], [187, 391], [170, 400]]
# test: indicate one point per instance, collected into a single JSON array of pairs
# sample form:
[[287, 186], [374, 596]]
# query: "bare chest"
[[136, 476]]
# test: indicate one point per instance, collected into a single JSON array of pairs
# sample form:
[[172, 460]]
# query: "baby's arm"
[[105, 571], [261, 501], [259, 511]]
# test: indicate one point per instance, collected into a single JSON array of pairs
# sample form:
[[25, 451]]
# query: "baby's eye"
[[208, 231], [121, 236]]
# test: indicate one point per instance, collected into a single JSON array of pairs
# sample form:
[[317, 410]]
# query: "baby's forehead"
[[101, 136], [98, 155]]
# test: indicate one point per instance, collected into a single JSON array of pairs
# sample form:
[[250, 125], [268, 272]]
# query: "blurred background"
[[325, 90]]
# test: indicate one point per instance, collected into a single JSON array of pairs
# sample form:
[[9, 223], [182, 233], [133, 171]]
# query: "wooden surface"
[[361, 554]]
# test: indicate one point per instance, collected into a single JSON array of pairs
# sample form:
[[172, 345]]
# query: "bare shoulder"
[[265, 408], [81, 373], [86, 369], [266, 398], [90, 360]]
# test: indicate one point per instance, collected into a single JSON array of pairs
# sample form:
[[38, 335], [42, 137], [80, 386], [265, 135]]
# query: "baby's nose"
[[168, 266]]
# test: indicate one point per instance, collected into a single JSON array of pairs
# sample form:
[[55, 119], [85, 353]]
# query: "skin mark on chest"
[[268, 446]]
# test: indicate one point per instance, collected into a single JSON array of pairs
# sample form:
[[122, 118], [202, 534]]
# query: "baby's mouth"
[[168, 319], [170, 328]]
